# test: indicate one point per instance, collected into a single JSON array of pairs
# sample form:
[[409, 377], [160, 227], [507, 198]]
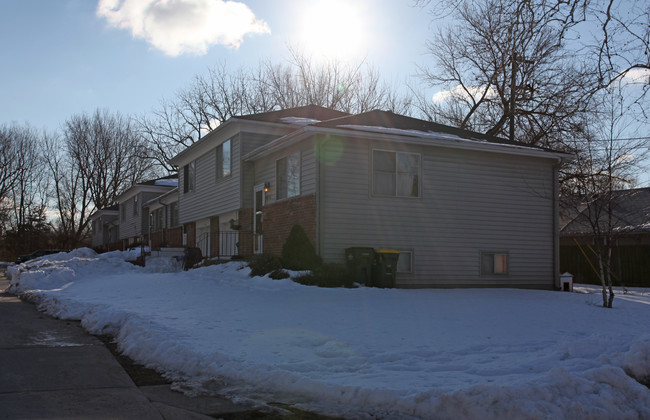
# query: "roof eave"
[[462, 144]]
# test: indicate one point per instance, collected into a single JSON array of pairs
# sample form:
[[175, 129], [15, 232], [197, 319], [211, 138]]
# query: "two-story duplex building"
[[462, 208], [105, 228], [133, 218]]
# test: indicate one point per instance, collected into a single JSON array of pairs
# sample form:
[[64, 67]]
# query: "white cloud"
[[183, 26], [637, 76], [458, 92]]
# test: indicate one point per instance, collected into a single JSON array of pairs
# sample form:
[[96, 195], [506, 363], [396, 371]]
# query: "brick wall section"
[[174, 237], [281, 216]]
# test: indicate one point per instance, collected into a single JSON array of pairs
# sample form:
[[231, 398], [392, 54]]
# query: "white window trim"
[[411, 255], [219, 164], [372, 174], [277, 180], [190, 187], [494, 255]]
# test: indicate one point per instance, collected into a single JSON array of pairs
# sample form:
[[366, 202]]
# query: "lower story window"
[[494, 263], [405, 262]]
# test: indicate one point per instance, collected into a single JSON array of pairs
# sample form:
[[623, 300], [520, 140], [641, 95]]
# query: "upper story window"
[[395, 174], [136, 205], [157, 219], [173, 214], [224, 160], [189, 177], [287, 176], [123, 211]]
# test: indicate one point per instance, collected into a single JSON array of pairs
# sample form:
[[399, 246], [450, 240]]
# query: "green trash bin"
[[360, 261], [385, 268]]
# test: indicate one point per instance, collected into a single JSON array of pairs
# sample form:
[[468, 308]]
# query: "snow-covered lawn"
[[365, 352]]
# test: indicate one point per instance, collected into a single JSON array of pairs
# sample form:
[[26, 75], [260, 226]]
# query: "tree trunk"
[[602, 278]]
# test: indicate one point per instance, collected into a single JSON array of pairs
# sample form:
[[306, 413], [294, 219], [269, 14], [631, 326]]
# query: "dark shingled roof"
[[314, 112], [630, 214], [389, 119], [153, 181]]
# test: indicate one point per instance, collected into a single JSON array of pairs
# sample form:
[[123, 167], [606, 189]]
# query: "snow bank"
[[361, 353]]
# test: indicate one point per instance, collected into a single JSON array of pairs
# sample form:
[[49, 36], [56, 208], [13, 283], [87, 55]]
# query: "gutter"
[[431, 140]]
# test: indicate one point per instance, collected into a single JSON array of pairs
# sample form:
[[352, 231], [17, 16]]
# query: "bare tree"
[[506, 71], [606, 162], [221, 94], [23, 186], [623, 44], [95, 159], [109, 153], [69, 191]]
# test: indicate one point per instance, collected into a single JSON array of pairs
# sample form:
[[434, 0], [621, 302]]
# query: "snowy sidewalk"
[[54, 369]]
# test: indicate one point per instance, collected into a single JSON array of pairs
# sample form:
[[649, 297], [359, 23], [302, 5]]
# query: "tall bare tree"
[[607, 161], [505, 71], [623, 42], [23, 186], [95, 159], [222, 93], [109, 153]]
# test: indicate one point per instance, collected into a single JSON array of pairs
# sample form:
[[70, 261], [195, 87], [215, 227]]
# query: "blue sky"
[[64, 57]]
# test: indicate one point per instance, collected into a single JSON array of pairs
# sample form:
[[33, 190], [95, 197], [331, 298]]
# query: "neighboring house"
[[462, 208], [630, 237], [105, 228], [133, 219], [165, 229]]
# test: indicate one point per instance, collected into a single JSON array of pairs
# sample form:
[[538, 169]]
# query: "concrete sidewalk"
[[52, 368]]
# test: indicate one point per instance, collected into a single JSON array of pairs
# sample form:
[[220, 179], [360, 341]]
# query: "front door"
[[259, 198]]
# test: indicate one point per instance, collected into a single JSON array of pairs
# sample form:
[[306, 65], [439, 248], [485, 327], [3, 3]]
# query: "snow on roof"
[[438, 135], [299, 120], [168, 182]]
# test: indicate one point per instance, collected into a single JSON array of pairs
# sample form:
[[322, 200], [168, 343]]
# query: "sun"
[[332, 29]]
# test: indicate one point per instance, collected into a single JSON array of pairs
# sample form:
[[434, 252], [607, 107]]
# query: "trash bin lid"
[[387, 251]]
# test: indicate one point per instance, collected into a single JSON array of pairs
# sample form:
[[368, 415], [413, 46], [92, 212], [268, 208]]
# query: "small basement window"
[[494, 263], [405, 262]]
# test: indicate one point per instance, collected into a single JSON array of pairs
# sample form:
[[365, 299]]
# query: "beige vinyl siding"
[[266, 166], [211, 196], [136, 225], [471, 202]]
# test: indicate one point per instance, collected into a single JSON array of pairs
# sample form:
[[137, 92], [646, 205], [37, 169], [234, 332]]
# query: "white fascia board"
[[99, 213], [443, 140], [426, 139], [224, 132], [138, 188], [166, 198]]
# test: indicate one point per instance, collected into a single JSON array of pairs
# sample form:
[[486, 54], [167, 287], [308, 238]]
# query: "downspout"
[[556, 225], [318, 187]]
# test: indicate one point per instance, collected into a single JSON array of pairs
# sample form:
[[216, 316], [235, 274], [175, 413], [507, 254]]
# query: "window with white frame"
[[173, 214], [494, 263], [157, 222], [405, 262], [136, 205], [189, 177], [287, 176], [224, 160], [395, 174]]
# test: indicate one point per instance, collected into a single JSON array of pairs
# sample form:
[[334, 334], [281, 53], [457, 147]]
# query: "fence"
[[630, 265], [226, 244]]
